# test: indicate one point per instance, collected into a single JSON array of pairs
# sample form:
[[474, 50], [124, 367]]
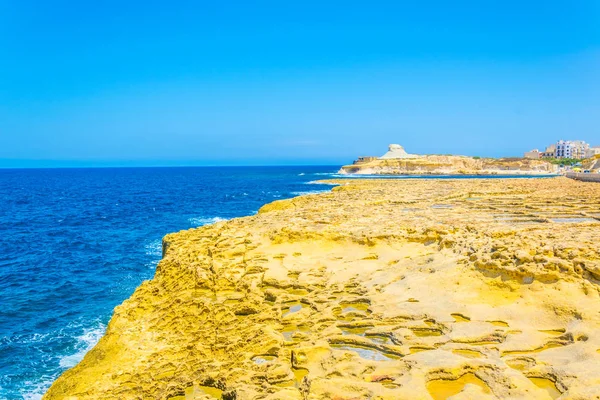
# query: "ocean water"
[[74, 243]]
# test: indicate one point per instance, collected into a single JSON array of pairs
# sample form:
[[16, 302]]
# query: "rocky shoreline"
[[381, 289], [450, 165]]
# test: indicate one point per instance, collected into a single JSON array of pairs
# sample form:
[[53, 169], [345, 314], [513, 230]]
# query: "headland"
[[398, 162], [381, 289]]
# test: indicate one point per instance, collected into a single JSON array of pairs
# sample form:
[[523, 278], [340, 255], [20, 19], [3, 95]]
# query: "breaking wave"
[[307, 192], [201, 221], [85, 342]]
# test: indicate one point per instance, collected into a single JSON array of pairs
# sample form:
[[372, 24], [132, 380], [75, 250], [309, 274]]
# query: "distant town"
[[569, 149], [575, 159]]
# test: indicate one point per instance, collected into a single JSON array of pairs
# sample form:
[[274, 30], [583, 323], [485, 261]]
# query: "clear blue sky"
[[168, 82]]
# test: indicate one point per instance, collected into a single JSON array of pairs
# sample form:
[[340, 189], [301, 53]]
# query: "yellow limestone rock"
[[390, 164], [386, 289]]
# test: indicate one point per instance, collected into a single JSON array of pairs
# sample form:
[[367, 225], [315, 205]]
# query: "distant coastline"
[[398, 162]]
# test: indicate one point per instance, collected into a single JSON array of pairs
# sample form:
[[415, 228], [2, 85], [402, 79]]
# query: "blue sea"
[[74, 243]]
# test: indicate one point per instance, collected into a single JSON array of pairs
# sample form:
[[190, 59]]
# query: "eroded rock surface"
[[446, 165], [397, 289]]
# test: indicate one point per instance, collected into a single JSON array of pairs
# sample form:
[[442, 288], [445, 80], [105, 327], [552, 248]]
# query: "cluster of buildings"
[[577, 149]]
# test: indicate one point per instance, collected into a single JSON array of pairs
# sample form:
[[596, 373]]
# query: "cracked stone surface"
[[381, 289]]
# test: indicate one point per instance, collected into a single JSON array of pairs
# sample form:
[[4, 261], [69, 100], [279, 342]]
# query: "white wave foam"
[[301, 174], [35, 390], [85, 342], [333, 175], [154, 248], [320, 183], [152, 264], [201, 221], [25, 339], [304, 193]]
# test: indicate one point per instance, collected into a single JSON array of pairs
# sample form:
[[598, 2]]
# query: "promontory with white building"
[[397, 161]]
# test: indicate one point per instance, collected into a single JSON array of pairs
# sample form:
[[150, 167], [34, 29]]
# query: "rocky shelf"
[[381, 289]]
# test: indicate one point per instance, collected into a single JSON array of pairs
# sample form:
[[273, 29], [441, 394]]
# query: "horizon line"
[[176, 166]]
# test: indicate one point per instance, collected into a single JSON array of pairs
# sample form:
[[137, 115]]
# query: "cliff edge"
[[450, 165], [380, 289]]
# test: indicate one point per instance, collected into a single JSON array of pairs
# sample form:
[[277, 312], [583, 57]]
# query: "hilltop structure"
[[395, 151]]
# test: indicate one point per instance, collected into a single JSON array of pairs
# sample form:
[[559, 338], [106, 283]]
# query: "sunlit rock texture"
[[450, 165], [386, 289]]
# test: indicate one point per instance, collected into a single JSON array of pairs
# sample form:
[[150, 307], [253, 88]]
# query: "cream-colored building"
[[571, 149], [577, 149], [533, 154], [550, 151]]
